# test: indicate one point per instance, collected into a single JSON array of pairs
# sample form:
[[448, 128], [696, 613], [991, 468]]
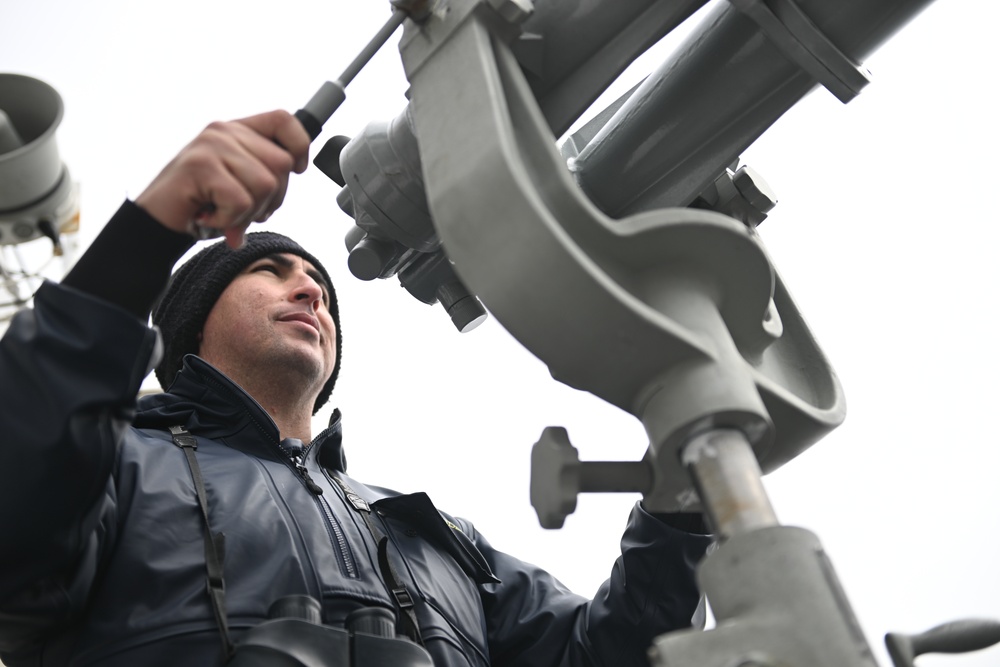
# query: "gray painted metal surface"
[[34, 183], [713, 97], [776, 602], [675, 315]]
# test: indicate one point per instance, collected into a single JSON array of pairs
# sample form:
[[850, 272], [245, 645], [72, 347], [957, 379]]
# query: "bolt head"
[[755, 189]]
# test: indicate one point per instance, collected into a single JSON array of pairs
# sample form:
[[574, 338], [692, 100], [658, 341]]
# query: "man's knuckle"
[[284, 162], [265, 183], [216, 127], [200, 158]]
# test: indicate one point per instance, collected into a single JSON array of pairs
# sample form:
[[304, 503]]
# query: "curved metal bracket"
[[675, 316]]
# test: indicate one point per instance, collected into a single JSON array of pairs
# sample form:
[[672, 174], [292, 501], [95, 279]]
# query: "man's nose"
[[307, 289]]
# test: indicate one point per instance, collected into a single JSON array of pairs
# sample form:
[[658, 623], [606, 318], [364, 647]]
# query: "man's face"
[[274, 316]]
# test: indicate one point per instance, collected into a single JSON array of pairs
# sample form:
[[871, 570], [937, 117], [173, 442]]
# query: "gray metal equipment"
[[629, 263], [37, 196]]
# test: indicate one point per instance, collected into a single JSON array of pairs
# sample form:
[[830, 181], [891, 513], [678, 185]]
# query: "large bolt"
[[754, 189], [557, 476]]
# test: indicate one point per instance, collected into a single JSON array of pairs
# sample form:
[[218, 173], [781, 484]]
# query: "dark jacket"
[[103, 558]]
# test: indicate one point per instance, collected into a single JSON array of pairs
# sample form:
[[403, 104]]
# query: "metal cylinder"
[[32, 170], [711, 99], [570, 54], [728, 479], [615, 476]]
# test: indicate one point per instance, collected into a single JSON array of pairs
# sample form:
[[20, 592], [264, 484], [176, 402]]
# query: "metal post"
[[728, 479]]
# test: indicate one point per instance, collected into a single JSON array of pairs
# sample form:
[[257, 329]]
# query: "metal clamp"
[[804, 43]]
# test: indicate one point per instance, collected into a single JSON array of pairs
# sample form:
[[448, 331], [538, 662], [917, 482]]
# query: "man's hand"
[[232, 174]]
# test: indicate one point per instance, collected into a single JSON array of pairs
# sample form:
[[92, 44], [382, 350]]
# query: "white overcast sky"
[[886, 233]]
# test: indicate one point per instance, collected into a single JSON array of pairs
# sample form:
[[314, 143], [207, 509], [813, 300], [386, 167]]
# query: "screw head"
[[754, 189], [555, 477]]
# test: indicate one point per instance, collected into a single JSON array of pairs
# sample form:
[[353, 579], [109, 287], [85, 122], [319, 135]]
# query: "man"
[[160, 535]]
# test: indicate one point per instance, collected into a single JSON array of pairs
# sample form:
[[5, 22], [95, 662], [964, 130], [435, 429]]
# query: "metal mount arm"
[[675, 316]]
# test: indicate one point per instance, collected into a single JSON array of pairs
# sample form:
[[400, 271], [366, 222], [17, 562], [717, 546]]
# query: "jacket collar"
[[209, 404]]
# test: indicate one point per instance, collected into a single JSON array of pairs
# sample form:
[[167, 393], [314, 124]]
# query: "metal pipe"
[[322, 105], [712, 98], [615, 477], [374, 44], [570, 52], [728, 480]]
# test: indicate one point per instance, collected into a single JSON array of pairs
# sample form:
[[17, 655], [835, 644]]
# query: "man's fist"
[[232, 174]]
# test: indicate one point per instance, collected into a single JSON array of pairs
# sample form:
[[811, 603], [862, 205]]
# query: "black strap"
[[397, 589], [214, 543]]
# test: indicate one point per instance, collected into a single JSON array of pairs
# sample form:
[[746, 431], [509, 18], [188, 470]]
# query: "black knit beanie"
[[197, 285]]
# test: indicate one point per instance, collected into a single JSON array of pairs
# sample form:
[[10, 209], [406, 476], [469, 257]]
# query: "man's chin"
[[306, 361]]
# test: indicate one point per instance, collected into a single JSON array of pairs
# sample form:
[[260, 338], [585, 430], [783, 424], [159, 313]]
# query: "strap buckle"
[[182, 438], [403, 597]]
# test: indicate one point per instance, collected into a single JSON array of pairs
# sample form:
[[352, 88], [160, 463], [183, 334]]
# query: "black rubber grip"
[[312, 126]]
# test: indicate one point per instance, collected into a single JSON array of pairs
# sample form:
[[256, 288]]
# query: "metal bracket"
[[804, 43], [666, 314]]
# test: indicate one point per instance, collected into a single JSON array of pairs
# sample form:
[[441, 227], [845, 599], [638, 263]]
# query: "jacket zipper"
[[295, 451]]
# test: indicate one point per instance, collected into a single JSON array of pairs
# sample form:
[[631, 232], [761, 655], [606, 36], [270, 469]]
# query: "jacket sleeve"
[[535, 621], [70, 370]]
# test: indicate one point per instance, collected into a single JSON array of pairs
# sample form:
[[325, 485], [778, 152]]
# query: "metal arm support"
[[675, 316], [717, 95]]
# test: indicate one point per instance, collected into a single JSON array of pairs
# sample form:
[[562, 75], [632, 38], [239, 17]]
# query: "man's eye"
[[267, 267]]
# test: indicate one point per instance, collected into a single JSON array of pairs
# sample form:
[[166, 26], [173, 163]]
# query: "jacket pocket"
[[446, 569], [417, 510]]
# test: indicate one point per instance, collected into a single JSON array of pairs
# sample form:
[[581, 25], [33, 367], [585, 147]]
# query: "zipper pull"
[[295, 450], [310, 484]]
